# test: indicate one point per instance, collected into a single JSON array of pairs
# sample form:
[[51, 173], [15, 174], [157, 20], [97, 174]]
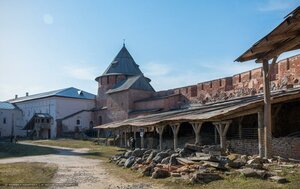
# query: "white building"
[[49, 114], [11, 122]]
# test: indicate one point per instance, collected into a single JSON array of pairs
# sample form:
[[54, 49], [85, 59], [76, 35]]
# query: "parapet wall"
[[284, 74]]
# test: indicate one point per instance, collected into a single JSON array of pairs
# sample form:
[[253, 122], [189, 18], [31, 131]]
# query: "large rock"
[[160, 156], [148, 170], [151, 156], [138, 152], [217, 165], [173, 160], [278, 179], [204, 178], [236, 164], [129, 162], [165, 160], [249, 172], [138, 161], [128, 154], [185, 152], [193, 147], [160, 173], [256, 163], [121, 162]]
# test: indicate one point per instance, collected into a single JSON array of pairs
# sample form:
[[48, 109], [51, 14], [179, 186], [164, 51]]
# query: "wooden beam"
[[160, 130], [279, 49], [267, 111], [273, 39], [260, 118], [175, 128], [197, 127]]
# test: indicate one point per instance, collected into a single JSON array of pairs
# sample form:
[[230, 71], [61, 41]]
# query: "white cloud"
[[154, 69], [48, 19], [80, 72], [276, 5]]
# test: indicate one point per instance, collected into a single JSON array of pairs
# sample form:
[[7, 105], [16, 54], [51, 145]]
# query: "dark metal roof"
[[285, 37], [211, 112], [123, 63], [138, 82], [6, 106], [67, 92]]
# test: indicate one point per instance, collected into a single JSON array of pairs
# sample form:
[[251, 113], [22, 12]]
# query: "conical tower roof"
[[123, 63]]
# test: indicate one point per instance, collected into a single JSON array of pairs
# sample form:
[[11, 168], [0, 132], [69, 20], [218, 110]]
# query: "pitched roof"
[[138, 82], [70, 92], [6, 106], [285, 37], [123, 63]]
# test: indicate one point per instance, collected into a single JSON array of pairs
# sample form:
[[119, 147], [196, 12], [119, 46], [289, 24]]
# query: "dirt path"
[[76, 170]]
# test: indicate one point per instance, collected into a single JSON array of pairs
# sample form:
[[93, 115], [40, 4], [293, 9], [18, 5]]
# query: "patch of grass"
[[8, 150], [26, 173]]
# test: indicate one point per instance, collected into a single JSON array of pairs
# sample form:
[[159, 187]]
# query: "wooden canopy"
[[285, 37]]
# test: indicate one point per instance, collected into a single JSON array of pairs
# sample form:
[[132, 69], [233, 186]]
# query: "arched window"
[[78, 122]]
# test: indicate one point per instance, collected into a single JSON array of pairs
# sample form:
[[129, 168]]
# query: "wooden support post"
[[197, 127], [216, 135], [121, 137], [125, 137], [175, 128], [222, 128], [134, 133], [267, 110], [160, 130], [240, 127], [142, 133], [260, 130]]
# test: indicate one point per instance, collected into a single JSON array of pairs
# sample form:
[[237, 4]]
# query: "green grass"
[[18, 173], [8, 150]]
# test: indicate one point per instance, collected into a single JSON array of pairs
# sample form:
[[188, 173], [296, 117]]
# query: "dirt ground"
[[77, 172]]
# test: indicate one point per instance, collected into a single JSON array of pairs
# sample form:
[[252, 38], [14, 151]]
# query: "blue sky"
[[51, 44]]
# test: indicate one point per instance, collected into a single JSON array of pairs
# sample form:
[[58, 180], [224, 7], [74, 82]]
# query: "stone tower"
[[119, 86]]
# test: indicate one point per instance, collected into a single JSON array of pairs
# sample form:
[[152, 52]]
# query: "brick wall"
[[288, 147], [284, 74]]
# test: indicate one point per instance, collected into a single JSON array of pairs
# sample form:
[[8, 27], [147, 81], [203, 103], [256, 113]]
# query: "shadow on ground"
[[8, 150]]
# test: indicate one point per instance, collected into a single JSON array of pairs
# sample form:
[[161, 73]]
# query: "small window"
[[78, 122], [202, 86], [250, 75], [4, 120], [220, 82], [48, 120], [240, 78], [287, 64], [43, 120]]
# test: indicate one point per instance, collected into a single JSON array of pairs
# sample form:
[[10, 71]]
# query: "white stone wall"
[[44, 105], [70, 124], [12, 117]]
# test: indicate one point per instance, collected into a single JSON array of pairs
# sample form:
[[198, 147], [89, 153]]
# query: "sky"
[[53, 44]]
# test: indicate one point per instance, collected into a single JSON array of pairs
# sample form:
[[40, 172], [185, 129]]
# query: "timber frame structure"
[[283, 38]]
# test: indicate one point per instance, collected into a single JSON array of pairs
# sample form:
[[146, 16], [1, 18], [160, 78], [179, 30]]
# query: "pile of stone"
[[197, 164]]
